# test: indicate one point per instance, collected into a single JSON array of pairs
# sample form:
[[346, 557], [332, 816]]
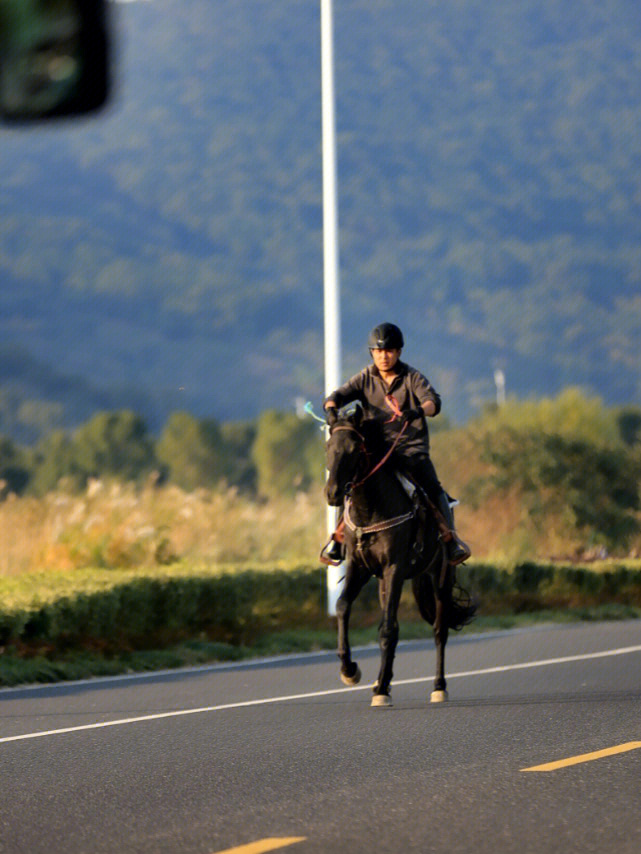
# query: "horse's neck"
[[380, 497]]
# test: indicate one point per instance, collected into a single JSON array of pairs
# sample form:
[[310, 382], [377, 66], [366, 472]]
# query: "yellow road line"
[[586, 757], [263, 845]]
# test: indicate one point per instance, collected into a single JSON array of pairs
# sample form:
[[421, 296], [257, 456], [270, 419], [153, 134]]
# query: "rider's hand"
[[331, 412], [410, 415]]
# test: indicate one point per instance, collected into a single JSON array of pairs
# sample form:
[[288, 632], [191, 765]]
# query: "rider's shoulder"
[[357, 379], [410, 371], [418, 380], [368, 372]]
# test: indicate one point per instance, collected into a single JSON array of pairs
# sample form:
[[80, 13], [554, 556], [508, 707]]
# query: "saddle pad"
[[407, 485], [410, 489]]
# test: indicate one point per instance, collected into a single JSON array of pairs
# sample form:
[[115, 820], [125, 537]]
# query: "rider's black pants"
[[421, 469]]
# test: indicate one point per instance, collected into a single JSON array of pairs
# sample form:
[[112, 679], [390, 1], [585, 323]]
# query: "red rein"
[[396, 410]]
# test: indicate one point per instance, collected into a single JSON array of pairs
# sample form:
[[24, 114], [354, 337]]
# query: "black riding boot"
[[457, 550]]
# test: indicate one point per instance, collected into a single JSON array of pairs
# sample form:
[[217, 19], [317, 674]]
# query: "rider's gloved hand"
[[411, 415], [331, 412]]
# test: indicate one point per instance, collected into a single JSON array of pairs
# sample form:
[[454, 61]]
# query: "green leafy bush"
[[192, 451], [287, 452]]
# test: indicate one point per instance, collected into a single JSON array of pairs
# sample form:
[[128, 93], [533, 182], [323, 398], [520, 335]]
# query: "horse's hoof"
[[438, 697], [381, 701], [352, 680]]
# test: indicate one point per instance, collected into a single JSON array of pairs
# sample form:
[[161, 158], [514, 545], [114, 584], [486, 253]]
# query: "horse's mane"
[[372, 430]]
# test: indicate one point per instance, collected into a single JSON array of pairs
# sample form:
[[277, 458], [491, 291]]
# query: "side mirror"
[[54, 58]]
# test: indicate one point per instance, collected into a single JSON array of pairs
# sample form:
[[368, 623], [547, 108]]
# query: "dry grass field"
[[112, 525], [115, 525]]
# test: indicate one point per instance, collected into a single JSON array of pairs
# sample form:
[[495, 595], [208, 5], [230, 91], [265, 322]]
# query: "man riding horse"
[[403, 398]]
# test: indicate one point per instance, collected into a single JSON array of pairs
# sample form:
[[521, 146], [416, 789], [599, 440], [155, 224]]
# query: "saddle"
[[423, 510], [421, 502]]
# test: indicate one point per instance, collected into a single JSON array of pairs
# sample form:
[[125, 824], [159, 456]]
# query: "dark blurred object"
[[54, 58]]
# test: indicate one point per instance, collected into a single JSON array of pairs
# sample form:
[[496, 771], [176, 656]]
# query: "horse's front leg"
[[355, 578], [388, 635], [443, 597]]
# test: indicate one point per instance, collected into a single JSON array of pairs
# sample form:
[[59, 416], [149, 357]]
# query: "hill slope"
[[490, 194]]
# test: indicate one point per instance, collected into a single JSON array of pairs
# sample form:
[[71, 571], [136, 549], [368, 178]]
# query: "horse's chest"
[[379, 549]]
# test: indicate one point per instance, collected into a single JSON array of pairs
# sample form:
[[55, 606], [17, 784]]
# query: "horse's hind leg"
[[354, 581], [443, 599]]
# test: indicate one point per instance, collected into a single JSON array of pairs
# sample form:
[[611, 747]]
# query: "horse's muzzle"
[[334, 496]]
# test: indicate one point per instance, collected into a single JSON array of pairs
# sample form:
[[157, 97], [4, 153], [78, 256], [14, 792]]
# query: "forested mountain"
[[168, 254]]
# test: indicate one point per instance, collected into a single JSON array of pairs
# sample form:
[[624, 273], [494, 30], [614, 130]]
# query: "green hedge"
[[147, 609], [533, 586], [143, 611]]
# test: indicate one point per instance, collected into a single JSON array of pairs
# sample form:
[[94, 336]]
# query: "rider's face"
[[385, 359]]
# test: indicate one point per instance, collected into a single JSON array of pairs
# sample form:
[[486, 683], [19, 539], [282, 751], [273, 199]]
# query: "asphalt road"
[[214, 759]]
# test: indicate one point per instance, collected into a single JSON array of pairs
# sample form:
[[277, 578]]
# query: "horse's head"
[[346, 455]]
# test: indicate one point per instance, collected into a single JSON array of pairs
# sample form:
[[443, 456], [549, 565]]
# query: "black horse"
[[388, 535]]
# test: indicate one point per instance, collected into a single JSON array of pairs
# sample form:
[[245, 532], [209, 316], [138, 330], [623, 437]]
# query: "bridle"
[[350, 428], [384, 524]]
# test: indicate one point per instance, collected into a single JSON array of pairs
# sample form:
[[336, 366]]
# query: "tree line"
[[570, 462], [275, 453]]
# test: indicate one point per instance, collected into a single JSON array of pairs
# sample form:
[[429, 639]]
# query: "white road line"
[[257, 663], [312, 694], [253, 663]]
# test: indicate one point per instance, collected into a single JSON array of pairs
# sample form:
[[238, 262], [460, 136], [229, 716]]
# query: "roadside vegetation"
[[90, 622], [543, 479], [124, 551]]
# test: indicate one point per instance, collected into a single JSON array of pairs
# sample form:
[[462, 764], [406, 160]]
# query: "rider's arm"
[[429, 408], [427, 396], [350, 391]]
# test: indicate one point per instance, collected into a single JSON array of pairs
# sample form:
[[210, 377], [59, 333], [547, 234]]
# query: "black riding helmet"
[[386, 336]]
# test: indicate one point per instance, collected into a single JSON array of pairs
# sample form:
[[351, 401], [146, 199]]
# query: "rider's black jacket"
[[409, 388]]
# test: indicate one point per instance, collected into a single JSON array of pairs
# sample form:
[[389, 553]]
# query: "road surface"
[[278, 755]]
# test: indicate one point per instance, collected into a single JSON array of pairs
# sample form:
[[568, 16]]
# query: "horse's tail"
[[424, 595], [462, 607]]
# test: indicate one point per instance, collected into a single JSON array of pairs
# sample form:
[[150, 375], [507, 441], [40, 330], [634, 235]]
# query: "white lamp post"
[[330, 253]]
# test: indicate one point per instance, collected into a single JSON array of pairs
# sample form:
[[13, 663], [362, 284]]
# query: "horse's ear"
[[332, 415], [358, 416]]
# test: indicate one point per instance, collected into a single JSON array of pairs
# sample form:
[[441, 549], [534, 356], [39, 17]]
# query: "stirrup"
[[332, 553], [457, 550]]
